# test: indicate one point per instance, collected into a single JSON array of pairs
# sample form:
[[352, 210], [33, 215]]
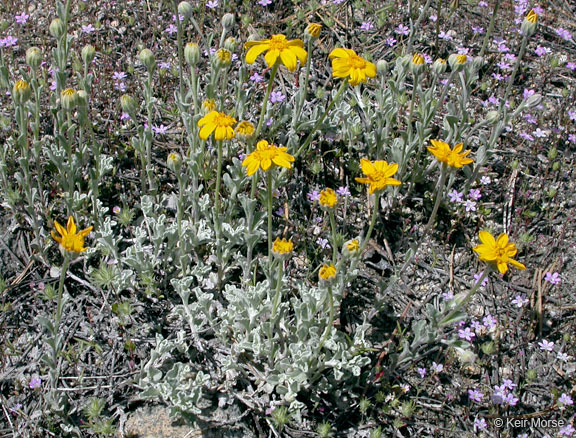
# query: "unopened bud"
[[82, 98], [224, 57], [492, 116], [174, 162], [313, 30], [33, 57], [88, 53], [417, 63], [381, 67], [457, 62], [128, 104], [21, 92], [228, 21], [185, 9], [478, 62], [192, 53], [439, 66], [57, 28], [534, 100], [68, 98], [244, 130], [230, 44], [146, 57]]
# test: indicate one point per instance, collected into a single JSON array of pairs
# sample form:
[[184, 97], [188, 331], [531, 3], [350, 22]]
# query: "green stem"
[[269, 205], [372, 223], [304, 89], [180, 49], [265, 103], [217, 208], [59, 306], [514, 72], [276, 300], [467, 298], [490, 28], [330, 318], [322, 117], [333, 227]]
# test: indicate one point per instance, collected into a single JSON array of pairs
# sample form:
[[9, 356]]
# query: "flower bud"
[[313, 30], [381, 67], [457, 62], [282, 248], [439, 66], [128, 104], [534, 100], [492, 116], [351, 248], [21, 92], [230, 44], [327, 273], [223, 57], [208, 105], [244, 130], [146, 57], [228, 21], [328, 199], [88, 53], [82, 98], [33, 57], [68, 98], [174, 162], [185, 9], [57, 28], [478, 62], [417, 63], [192, 53], [529, 24]]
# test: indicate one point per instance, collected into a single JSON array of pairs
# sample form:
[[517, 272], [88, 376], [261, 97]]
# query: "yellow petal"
[[206, 131], [60, 229], [517, 264], [300, 53], [271, 57], [339, 53], [256, 51], [487, 238], [71, 226], [289, 59]]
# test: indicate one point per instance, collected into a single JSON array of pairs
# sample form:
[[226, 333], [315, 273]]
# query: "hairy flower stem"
[[514, 72], [333, 227], [180, 49], [275, 304], [304, 89], [265, 103], [322, 117], [330, 318], [416, 245], [416, 25], [467, 298], [490, 28], [269, 205], [217, 208], [372, 223], [59, 304]]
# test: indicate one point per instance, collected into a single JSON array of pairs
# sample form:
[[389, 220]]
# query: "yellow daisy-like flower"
[[452, 157], [327, 272], [418, 59], [218, 123], [378, 174], [314, 30], [277, 48], [282, 247], [69, 240], [224, 57], [351, 247], [461, 59], [328, 198], [347, 64], [265, 156], [245, 129], [497, 251], [532, 17]]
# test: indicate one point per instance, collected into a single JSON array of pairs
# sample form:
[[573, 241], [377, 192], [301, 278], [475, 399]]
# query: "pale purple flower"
[[9, 41], [405, 388], [563, 33], [528, 93], [119, 75], [323, 243], [265, 2], [539, 133], [116, 209], [572, 115], [565, 400], [485, 180], [445, 36], [172, 29], [390, 41], [269, 121], [552, 278], [476, 325], [421, 372], [494, 100], [467, 334], [499, 77], [530, 119], [483, 4], [53, 86], [448, 295], [520, 301], [478, 30], [433, 18], [279, 212], [366, 25], [22, 18], [546, 345], [88, 28], [313, 196], [567, 430], [124, 116], [343, 191], [437, 367], [469, 205], [489, 321], [572, 138], [526, 136], [541, 51], [256, 77], [121, 86], [563, 356], [503, 65], [277, 96], [165, 65], [571, 65], [477, 278], [212, 4], [474, 194], [210, 52], [475, 395], [402, 30], [35, 383], [159, 129], [480, 424], [180, 17], [455, 196]]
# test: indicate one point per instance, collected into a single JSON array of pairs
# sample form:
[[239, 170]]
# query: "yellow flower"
[[497, 251], [378, 174], [328, 198], [224, 57], [351, 247], [69, 240], [346, 63], [209, 105], [532, 16], [327, 272], [277, 47], [282, 247], [417, 59], [453, 158], [245, 129], [21, 91], [68, 98], [461, 59], [264, 156], [219, 123], [314, 30]]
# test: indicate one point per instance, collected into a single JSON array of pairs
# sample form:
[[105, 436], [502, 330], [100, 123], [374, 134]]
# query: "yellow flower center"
[[21, 85], [356, 62], [278, 42], [353, 245], [68, 92], [223, 119], [266, 154]]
